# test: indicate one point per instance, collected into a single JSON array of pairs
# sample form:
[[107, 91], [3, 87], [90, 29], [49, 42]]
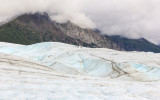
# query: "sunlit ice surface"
[[58, 71]]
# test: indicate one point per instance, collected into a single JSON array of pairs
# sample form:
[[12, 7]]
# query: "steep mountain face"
[[87, 35], [134, 44], [29, 29], [35, 28]]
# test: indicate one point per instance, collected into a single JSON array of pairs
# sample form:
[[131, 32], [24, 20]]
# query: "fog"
[[129, 18]]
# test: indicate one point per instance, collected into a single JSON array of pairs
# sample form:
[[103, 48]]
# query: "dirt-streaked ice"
[[57, 71]]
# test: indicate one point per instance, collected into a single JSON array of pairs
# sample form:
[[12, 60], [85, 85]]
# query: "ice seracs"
[[103, 62], [53, 70]]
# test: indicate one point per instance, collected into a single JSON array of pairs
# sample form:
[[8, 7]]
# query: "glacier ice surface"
[[53, 70]]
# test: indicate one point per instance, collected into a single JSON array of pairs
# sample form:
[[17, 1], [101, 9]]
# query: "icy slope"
[[71, 59], [23, 79], [57, 71]]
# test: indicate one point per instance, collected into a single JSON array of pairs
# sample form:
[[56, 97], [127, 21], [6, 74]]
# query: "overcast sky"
[[129, 18]]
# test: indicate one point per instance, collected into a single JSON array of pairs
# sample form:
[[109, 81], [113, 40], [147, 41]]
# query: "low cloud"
[[129, 18]]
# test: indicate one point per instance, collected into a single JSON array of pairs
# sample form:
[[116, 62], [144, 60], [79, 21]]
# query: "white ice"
[[58, 71]]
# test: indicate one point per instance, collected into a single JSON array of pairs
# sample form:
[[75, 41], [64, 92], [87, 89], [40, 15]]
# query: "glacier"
[[58, 71]]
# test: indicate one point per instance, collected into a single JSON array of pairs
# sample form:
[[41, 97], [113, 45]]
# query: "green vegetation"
[[30, 29], [134, 44], [14, 33]]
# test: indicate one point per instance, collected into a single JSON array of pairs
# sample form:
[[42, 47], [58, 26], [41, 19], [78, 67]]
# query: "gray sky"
[[129, 18]]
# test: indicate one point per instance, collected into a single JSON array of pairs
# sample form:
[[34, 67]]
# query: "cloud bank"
[[129, 18]]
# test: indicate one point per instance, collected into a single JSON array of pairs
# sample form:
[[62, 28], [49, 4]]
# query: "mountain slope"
[[29, 29], [35, 28], [134, 44]]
